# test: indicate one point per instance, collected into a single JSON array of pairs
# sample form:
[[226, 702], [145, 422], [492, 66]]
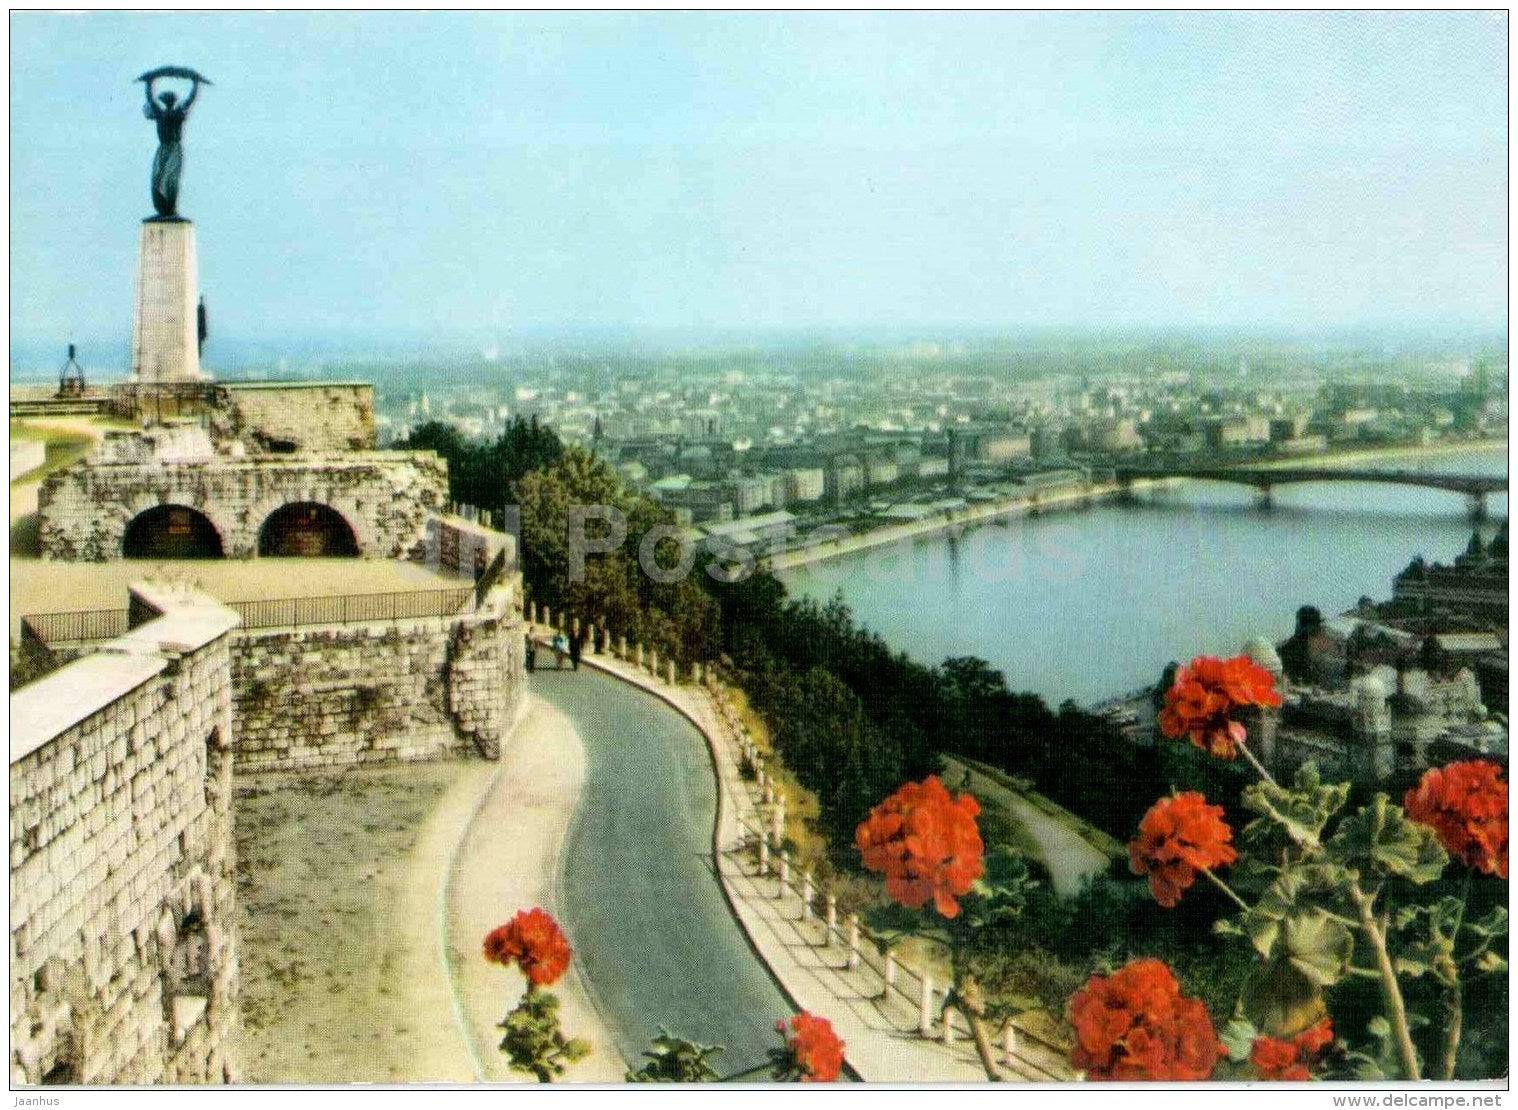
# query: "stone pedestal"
[[165, 344]]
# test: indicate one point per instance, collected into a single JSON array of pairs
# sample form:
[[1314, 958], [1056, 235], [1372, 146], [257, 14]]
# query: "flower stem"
[[1449, 976], [1391, 991], [1255, 763], [1225, 888]]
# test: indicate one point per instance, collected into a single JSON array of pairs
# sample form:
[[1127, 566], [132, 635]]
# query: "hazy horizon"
[[507, 175]]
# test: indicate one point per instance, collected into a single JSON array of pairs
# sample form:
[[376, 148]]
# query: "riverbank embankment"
[[818, 550]]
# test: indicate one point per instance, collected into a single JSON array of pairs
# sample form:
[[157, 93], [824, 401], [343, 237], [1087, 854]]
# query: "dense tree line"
[[854, 719], [486, 475]]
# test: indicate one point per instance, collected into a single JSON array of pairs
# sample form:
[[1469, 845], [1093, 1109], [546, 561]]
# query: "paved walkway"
[[881, 1029], [506, 860]]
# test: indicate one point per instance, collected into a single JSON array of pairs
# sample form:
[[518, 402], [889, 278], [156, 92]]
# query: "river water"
[[1092, 602]]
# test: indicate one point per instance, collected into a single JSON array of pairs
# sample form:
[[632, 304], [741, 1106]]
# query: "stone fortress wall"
[[123, 947], [84, 511], [123, 963], [381, 692], [294, 416]]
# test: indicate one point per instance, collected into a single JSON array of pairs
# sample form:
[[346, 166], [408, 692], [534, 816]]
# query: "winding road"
[[656, 941]]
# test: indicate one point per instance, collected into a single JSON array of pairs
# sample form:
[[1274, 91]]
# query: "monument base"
[[165, 339]]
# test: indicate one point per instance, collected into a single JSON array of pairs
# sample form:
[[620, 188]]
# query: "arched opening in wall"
[[307, 529], [171, 532]]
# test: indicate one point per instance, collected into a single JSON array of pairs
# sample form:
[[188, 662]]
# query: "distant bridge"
[[1476, 487]]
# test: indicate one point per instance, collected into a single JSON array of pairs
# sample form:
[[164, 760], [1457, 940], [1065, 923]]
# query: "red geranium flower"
[[1466, 805], [1287, 1061], [815, 1050], [1135, 1024], [1203, 695], [925, 843], [534, 942], [1178, 837]]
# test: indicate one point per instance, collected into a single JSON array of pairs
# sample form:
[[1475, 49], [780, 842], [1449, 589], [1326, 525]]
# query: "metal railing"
[[859, 950], [77, 626], [92, 625], [353, 608]]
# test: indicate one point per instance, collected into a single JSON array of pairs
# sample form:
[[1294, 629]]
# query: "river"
[[1088, 603]]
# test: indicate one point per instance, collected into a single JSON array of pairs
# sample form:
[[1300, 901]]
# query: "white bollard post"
[[948, 1028], [640, 656], [925, 1011], [592, 640], [832, 921], [622, 648], [605, 641], [548, 617], [769, 792], [777, 826], [853, 942], [1009, 1047], [532, 612], [764, 856], [806, 895], [672, 673], [574, 627], [890, 973], [785, 871], [763, 783], [653, 662]]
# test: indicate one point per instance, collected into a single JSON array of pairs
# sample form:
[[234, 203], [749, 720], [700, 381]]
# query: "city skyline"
[[728, 171]]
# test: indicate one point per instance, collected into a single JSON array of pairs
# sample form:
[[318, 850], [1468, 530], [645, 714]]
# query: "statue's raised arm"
[[166, 111]]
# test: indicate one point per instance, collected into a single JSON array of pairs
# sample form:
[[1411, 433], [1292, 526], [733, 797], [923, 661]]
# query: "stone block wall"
[[466, 546], [333, 696], [340, 695], [385, 496], [123, 962], [294, 416], [486, 669]]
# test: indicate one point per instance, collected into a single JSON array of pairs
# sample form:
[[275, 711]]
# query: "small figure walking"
[[560, 646], [532, 654], [576, 643]]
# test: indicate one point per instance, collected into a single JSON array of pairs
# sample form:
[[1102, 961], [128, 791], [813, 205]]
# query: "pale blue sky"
[[493, 172]]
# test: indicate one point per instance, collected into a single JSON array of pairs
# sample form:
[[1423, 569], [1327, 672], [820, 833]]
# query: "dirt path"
[[338, 897]]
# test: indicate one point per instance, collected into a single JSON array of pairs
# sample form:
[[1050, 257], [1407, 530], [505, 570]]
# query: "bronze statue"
[[169, 115]]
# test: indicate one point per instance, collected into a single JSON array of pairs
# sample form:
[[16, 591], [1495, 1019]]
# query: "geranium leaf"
[[1238, 1037], [1301, 811], [1280, 1000], [1379, 839], [1405, 965], [1318, 946], [1492, 925], [1263, 921], [1490, 962]]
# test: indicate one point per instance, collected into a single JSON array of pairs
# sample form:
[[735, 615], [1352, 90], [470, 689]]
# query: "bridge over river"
[[1476, 487]]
